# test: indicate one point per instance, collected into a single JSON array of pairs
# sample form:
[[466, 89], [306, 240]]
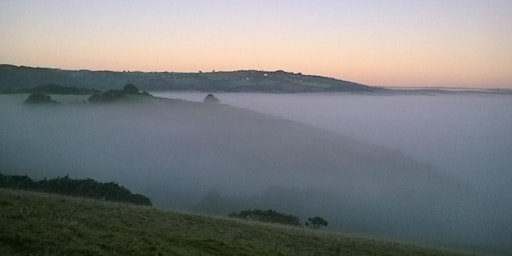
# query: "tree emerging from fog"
[[267, 216], [210, 98], [40, 98], [316, 222], [114, 95]]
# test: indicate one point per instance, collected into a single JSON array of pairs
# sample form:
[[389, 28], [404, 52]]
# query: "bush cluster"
[[267, 216], [39, 98], [113, 95], [277, 217], [75, 187]]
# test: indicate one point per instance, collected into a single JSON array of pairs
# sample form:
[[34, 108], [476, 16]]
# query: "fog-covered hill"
[[13, 78]]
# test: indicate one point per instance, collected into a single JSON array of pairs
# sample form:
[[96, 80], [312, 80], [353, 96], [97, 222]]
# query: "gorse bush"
[[75, 187]]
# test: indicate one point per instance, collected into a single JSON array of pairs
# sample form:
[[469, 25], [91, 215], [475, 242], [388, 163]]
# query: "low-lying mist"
[[216, 158], [468, 136]]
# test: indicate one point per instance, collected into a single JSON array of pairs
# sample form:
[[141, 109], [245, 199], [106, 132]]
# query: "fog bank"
[[216, 158], [468, 136]]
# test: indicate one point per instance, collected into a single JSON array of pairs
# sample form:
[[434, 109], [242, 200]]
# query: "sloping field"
[[42, 224]]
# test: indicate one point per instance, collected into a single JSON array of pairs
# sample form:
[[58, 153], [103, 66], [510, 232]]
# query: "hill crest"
[[21, 77]]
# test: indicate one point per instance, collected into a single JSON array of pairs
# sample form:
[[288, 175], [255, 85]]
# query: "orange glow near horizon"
[[397, 44]]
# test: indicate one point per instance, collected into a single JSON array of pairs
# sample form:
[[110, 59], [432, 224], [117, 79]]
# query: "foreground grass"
[[41, 224]]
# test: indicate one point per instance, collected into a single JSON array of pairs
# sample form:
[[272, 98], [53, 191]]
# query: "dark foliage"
[[75, 187], [267, 216], [316, 222], [113, 95], [130, 89], [108, 96], [39, 98], [210, 98]]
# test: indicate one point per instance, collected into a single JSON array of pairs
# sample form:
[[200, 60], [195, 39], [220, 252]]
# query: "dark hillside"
[[18, 79]]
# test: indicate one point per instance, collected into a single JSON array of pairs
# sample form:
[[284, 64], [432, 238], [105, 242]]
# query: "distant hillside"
[[14, 78], [42, 224]]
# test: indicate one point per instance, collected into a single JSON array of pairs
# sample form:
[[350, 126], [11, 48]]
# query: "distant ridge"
[[15, 78]]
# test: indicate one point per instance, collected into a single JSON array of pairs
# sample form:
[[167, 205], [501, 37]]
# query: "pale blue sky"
[[392, 43]]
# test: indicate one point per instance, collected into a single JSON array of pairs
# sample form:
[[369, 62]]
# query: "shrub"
[[39, 98], [113, 95], [315, 222], [267, 216], [210, 98], [75, 187]]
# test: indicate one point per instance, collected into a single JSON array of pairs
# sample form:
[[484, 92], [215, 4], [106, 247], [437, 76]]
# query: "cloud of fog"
[[216, 158], [465, 135]]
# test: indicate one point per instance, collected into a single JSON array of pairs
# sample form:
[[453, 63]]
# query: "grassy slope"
[[42, 224]]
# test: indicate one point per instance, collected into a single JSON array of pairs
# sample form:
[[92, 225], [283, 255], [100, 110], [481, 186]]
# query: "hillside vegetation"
[[14, 79], [42, 224], [89, 188]]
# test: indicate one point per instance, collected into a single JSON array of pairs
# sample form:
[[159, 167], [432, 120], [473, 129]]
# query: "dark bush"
[[210, 98], [75, 187], [39, 98], [316, 222], [130, 89], [113, 95], [267, 216]]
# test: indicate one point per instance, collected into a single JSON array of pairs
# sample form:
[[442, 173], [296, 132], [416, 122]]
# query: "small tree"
[[316, 222], [130, 89], [39, 98], [210, 98]]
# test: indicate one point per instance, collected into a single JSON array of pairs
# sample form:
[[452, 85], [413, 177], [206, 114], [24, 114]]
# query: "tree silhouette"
[[267, 216], [89, 188], [210, 98], [39, 98], [316, 222], [130, 89]]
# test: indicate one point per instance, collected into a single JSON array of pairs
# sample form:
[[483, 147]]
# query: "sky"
[[402, 43]]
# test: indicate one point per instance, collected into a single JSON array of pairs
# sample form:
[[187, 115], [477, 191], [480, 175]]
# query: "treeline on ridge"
[[113, 95], [39, 94], [88, 188]]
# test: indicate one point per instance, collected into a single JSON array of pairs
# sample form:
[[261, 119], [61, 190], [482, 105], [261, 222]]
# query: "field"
[[42, 224]]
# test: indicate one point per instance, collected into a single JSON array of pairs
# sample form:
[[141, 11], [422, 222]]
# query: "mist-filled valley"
[[467, 135], [424, 168]]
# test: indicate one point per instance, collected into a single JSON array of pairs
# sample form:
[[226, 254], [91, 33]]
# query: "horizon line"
[[448, 87]]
